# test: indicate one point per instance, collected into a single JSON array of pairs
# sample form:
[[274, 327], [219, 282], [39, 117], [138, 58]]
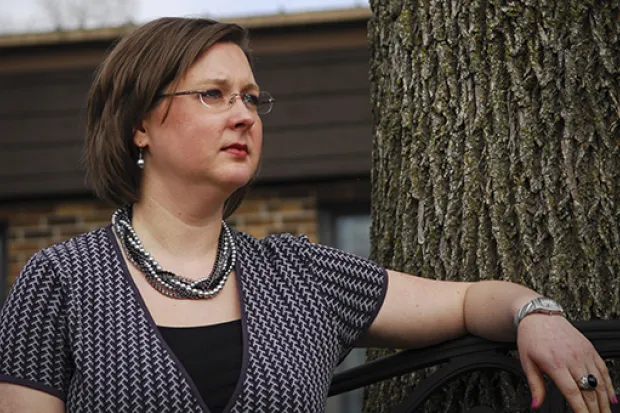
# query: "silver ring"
[[587, 382]]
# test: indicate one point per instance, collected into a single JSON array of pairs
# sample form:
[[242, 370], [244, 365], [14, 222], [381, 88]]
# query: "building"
[[317, 142]]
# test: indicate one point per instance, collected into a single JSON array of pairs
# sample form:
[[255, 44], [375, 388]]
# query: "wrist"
[[538, 305]]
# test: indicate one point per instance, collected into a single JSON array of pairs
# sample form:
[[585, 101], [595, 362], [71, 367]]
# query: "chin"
[[243, 172], [232, 177], [238, 180]]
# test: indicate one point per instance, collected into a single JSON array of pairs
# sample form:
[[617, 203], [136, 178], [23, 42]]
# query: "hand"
[[549, 344]]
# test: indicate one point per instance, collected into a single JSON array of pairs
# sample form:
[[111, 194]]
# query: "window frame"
[[330, 212]]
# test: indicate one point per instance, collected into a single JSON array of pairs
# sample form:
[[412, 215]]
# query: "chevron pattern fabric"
[[75, 326]]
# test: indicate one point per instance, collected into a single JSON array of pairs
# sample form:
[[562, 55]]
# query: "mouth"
[[238, 149]]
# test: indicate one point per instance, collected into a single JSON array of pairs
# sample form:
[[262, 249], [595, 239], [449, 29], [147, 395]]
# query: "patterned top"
[[75, 326]]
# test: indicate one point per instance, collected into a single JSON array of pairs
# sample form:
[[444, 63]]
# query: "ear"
[[140, 136]]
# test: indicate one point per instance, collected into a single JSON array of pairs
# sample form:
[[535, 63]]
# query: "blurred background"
[[311, 55], [44, 15]]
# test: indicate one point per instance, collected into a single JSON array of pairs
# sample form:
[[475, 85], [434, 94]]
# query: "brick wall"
[[36, 225]]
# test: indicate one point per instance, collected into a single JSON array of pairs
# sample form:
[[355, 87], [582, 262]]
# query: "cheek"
[[187, 143], [206, 133], [257, 135], [191, 121], [198, 137]]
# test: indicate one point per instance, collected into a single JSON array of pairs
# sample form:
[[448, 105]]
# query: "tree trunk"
[[496, 156]]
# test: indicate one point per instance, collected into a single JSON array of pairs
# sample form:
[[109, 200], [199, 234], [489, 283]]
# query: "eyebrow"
[[224, 82]]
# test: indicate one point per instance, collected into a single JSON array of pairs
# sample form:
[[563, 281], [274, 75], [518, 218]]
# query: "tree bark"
[[496, 156]]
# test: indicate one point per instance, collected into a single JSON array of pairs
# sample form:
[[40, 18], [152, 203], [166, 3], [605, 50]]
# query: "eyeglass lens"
[[261, 103]]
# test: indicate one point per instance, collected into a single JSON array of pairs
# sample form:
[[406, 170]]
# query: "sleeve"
[[354, 288], [34, 350]]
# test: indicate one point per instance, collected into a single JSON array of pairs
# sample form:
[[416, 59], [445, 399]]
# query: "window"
[[347, 227]]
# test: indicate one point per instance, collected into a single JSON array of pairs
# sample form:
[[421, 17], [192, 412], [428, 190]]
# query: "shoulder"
[[83, 242], [68, 253], [274, 238], [300, 249], [272, 243]]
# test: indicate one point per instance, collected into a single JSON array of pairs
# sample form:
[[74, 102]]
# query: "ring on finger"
[[587, 382]]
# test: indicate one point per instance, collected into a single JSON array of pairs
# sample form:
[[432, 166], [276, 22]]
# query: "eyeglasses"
[[214, 99]]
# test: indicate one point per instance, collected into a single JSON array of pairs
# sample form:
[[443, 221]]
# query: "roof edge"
[[252, 22]]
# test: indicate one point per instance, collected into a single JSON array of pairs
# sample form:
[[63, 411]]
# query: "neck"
[[183, 227]]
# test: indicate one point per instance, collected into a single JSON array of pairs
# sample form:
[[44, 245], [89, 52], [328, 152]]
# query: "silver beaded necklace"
[[167, 282]]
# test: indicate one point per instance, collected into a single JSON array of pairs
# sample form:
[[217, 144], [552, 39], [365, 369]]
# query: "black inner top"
[[212, 355]]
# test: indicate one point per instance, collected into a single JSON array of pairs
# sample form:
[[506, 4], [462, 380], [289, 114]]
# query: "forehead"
[[223, 62]]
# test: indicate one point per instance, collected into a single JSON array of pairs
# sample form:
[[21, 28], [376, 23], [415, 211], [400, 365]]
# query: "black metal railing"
[[463, 356]]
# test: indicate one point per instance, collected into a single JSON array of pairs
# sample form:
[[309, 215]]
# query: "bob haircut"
[[125, 89]]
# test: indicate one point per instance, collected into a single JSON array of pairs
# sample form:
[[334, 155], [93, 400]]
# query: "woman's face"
[[197, 145]]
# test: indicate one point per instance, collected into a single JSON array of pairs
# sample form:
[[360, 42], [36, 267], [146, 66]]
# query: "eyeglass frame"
[[231, 100]]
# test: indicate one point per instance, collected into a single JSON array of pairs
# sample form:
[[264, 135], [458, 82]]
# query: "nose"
[[241, 115], [233, 97]]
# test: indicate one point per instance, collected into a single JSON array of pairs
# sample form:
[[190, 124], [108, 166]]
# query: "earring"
[[140, 161]]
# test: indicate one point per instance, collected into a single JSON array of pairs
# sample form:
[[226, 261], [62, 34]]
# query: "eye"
[[211, 95], [251, 99]]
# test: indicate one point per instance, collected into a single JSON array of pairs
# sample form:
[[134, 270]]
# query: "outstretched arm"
[[419, 312]]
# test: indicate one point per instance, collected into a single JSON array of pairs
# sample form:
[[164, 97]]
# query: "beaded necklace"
[[167, 282]]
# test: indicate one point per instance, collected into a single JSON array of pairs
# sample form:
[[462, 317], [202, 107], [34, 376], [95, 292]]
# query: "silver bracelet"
[[540, 305]]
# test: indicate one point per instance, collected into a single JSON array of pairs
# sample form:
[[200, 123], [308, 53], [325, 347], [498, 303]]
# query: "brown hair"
[[125, 89]]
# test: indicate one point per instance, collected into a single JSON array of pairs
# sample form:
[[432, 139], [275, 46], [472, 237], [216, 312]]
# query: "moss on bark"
[[497, 156]]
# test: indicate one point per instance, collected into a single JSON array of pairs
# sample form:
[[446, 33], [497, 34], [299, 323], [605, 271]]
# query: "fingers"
[[568, 386], [581, 401], [536, 383], [601, 388], [606, 380], [565, 358], [600, 393], [597, 399]]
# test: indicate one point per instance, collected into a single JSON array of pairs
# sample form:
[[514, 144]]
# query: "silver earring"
[[140, 161]]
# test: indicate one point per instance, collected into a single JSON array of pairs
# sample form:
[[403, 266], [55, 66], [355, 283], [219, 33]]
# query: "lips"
[[237, 150], [236, 147]]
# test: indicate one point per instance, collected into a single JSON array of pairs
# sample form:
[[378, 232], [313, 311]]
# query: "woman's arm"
[[418, 312], [20, 399], [34, 346], [490, 308], [421, 312]]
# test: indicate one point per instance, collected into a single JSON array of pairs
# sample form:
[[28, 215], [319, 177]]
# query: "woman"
[[97, 324]]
